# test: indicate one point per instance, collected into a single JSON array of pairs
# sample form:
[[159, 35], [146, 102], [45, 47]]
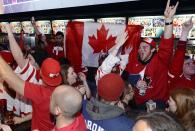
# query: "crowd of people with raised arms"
[[142, 88]]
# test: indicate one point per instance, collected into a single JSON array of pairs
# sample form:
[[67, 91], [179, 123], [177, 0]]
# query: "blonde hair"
[[184, 99]]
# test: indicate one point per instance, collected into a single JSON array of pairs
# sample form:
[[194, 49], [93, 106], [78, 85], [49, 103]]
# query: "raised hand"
[[187, 26], [8, 28], [128, 50], [82, 76], [33, 21], [170, 10], [122, 39]]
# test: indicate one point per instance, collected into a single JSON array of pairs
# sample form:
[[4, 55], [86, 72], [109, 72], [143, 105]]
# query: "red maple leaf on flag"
[[102, 43]]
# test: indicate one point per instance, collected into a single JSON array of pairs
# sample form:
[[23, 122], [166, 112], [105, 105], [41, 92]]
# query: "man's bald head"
[[65, 99]]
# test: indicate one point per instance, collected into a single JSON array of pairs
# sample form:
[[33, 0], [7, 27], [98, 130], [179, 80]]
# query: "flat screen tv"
[[112, 20], [2, 27], [27, 27], [84, 20], [16, 27], [44, 26], [154, 25], [59, 25]]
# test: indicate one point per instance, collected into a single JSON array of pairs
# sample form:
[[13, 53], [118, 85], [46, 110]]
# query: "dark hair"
[[161, 121], [102, 57], [126, 90], [64, 73], [39, 55], [59, 33], [186, 57]]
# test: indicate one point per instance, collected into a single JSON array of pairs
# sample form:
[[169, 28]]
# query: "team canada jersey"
[[154, 74], [29, 73]]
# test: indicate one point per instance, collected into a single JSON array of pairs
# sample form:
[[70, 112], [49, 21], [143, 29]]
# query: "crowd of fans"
[[158, 93]]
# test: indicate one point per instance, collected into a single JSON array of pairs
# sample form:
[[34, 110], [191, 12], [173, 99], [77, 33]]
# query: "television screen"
[[16, 27], [113, 20], [154, 25], [13, 6], [2, 25], [44, 26], [177, 23], [84, 20], [27, 27], [59, 25], [192, 33]]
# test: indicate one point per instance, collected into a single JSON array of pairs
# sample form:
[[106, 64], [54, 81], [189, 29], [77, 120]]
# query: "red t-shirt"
[[77, 125], [55, 51], [40, 96]]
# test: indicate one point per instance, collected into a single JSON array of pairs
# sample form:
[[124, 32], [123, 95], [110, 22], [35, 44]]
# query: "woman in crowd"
[[181, 101], [77, 81], [126, 99], [157, 121]]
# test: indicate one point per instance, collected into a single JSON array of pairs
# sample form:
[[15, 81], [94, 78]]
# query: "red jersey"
[[55, 51], [77, 125], [176, 77], [40, 97], [155, 72], [182, 82]]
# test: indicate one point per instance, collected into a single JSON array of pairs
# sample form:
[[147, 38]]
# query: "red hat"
[[150, 41], [7, 56], [50, 72], [110, 87]]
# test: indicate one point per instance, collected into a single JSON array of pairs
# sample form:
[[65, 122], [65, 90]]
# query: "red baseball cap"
[[50, 72], [149, 41], [7, 56], [110, 87]]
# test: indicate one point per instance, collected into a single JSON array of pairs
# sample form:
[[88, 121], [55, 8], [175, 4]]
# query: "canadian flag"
[[85, 41]]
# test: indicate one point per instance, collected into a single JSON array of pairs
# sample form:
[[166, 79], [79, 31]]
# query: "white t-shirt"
[[5, 95], [28, 73]]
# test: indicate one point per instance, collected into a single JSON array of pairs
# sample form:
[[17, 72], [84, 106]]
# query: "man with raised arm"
[[26, 70], [54, 49], [182, 68], [114, 60], [148, 70], [38, 94]]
